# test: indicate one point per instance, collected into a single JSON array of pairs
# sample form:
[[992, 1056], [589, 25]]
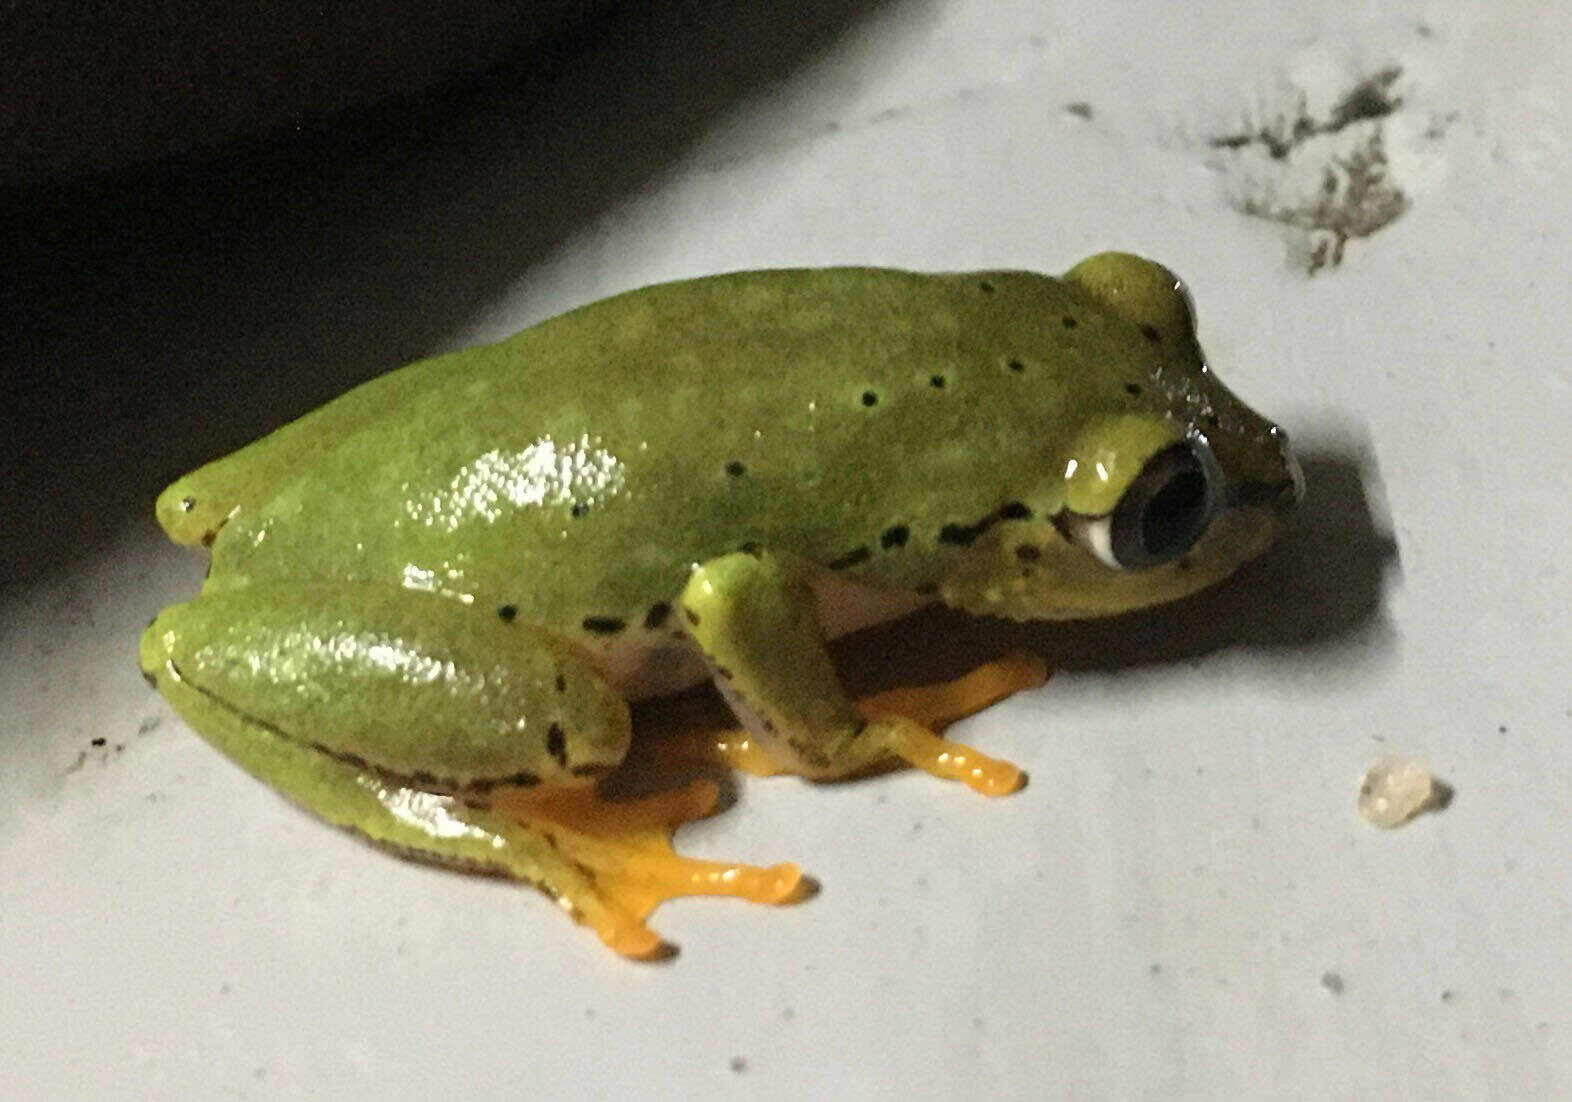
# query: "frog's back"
[[574, 472]]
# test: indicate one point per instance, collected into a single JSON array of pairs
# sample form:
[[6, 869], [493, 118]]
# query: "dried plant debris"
[[1327, 178], [1372, 98], [1356, 199], [1395, 789]]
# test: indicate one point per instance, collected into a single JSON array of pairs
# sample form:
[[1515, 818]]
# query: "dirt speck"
[[738, 1064], [1395, 789], [1332, 982]]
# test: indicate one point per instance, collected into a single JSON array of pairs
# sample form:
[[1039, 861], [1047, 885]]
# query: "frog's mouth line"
[[1281, 495]]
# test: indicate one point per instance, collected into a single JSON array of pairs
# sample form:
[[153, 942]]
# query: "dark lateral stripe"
[[604, 625], [851, 558], [512, 780], [964, 535]]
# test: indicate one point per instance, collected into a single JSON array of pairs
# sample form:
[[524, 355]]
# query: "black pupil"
[[1164, 511], [1169, 523]]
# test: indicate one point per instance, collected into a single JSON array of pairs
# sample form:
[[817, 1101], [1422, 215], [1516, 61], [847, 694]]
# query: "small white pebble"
[[1394, 790]]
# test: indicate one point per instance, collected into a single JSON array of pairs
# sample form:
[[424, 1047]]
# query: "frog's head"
[[1164, 483]]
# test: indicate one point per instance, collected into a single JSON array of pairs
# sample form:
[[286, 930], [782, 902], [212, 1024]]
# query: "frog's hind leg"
[[523, 805]]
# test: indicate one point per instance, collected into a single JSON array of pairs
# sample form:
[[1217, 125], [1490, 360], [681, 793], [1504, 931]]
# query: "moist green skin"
[[860, 418]]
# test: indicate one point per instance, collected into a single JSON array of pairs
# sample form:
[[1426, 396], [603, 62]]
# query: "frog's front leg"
[[445, 734], [754, 616]]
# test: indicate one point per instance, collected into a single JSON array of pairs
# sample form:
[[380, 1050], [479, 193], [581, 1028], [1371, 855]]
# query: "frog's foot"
[[627, 866], [905, 720], [916, 745]]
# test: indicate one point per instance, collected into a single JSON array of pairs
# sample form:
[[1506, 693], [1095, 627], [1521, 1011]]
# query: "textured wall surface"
[[1373, 215]]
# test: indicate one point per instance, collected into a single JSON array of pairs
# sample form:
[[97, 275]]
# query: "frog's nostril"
[[1166, 508]]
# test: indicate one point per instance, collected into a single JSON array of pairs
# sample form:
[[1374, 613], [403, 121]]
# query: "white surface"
[[1154, 915]]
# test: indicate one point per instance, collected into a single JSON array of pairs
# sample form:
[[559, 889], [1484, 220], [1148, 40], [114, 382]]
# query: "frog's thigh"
[[407, 683], [754, 616], [245, 670]]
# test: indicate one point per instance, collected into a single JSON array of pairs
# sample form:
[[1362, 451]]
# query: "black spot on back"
[[1014, 511], [507, 613], [1069, 322], [1017, 366], [604, 625], [1151, 334], [579, 508], [985, 287], [693, 617], [187, 503], [736, 469], [869, 398], [657, 615], [895, 537], [562, 684], [937, 381], [1133, 389], [851, 558], [557, 744], [1028, 553]]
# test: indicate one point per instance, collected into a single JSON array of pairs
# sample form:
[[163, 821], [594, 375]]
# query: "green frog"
[[431, 601]]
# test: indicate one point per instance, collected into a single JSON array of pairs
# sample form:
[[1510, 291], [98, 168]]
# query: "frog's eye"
[[1161, 514]]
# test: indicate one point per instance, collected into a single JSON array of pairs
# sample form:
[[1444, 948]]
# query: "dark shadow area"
[[1319, 588], [158, 318]]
